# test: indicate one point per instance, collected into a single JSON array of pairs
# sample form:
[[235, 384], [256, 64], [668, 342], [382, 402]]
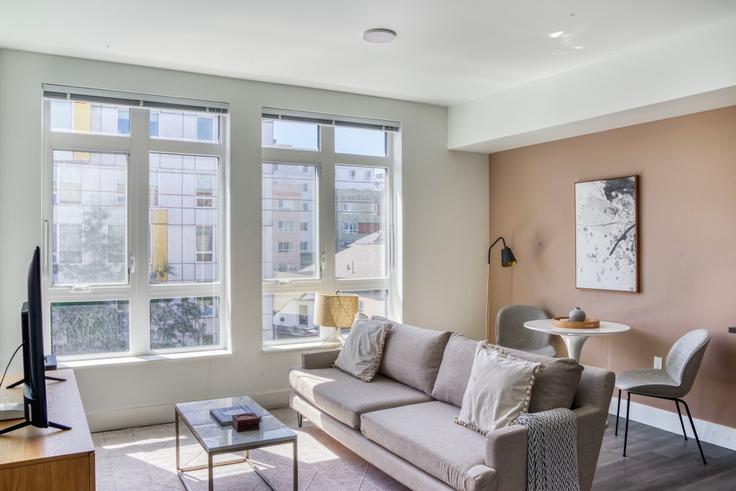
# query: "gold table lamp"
[[337, 311]]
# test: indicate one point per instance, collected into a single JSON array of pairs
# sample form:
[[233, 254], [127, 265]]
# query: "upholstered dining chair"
[[673, 382], [511, 333]]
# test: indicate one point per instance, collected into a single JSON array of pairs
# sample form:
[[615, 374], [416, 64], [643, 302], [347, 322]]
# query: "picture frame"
[[607, 234]]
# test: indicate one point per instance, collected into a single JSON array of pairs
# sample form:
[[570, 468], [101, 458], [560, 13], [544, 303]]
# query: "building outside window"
[[205, 242], [341, 178], [286, 226], [110, 295], [205, 189]]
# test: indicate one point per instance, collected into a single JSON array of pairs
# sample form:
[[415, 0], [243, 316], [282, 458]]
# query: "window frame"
[[326, 160], [139, 292]]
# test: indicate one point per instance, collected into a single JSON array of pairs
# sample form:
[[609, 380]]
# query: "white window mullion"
[[47, 228], [326, 212], [222, 240], [138, 206]]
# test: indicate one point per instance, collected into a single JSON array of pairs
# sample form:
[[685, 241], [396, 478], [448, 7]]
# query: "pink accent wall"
[[687, 258]]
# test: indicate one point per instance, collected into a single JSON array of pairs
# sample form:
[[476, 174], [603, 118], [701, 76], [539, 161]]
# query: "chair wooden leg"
[[679, 413], [626, 429], [618, 411], [692, 425]]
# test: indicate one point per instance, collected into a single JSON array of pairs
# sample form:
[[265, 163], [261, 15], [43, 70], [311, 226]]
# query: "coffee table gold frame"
[[210, 465]]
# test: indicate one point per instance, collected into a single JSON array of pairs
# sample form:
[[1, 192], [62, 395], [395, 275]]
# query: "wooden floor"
[[660, 460]]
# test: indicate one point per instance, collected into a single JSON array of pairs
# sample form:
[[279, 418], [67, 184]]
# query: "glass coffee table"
[[216, 439]]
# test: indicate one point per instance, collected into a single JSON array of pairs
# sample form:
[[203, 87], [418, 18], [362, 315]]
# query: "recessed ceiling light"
[[556, 34], [379, 35], [577, 47]]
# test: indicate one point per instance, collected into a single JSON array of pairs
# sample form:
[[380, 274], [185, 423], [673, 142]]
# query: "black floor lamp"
[[507, 260]]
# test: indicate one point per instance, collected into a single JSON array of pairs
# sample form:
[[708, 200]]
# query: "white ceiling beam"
[[681, 75]]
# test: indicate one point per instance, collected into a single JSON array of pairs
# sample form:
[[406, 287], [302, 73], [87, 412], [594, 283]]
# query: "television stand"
[[23, 424], [22, 381], [49, 364], [48, 459]]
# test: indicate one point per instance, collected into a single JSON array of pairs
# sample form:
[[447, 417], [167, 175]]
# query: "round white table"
[[575, 338]]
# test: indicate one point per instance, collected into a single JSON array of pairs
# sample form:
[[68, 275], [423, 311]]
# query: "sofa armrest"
[[506, 454], [319, 359], [506, 450], [591, 425]]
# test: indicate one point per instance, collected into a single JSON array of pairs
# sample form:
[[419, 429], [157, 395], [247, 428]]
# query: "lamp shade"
[[335, 310], [507, 257]]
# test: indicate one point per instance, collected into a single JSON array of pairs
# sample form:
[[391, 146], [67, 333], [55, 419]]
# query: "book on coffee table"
[[224, 415]]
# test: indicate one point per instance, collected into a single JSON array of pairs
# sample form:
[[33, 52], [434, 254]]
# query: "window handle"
[[131, 265], [322, 263], [81, 289]]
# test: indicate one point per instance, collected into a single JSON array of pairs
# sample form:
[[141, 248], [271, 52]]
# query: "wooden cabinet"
[[49, 459]]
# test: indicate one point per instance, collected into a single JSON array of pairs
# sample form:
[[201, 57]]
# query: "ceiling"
[[446, 51]]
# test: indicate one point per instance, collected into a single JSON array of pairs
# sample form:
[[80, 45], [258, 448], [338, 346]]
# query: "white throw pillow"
[[363, 349], [499, 389]]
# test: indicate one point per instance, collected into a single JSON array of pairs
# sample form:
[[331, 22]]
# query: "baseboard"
[[723, 436], [119, 418]]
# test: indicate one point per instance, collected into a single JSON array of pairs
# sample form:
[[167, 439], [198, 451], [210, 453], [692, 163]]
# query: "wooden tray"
[[568, 324]]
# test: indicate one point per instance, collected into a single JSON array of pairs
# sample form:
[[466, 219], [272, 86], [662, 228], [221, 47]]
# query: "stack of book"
[[246, 422]]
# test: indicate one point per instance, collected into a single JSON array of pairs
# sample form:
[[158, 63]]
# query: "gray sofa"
[[402, 421]]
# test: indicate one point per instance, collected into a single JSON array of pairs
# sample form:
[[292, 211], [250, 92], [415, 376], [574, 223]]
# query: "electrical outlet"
[[658, 362]]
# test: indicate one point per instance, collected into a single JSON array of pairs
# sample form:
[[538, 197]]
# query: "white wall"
[[445, 227], [681, 75]]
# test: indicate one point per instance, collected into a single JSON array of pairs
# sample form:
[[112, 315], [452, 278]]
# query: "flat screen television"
[[34, 364]]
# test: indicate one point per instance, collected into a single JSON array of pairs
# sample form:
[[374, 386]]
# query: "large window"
[[334, 182], [134, 259]]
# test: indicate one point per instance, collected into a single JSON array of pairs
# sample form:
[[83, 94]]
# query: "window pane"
[[372, 302], [90, 118], [89, 243], [171, 124], [181, 322], [360, 141], [289, 134], [89, 327], [289, 197], [360, 219], [289, 316], [183, 218]]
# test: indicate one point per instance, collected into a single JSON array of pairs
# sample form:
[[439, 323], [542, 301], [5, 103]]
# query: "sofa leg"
[[299, 420]]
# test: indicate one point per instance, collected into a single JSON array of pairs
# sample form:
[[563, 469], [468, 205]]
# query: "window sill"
[[129, 360], [311, 346]]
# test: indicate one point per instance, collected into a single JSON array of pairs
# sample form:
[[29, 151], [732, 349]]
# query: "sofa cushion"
[[361, 354], [425, 436], [345, 398], [499, 390], [555, 386], [454, 372], [412, 355]]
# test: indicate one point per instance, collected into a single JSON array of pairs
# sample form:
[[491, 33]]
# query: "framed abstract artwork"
[[607, 234]]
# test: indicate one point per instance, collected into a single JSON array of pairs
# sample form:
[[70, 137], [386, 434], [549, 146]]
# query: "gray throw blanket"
[[552, 463]]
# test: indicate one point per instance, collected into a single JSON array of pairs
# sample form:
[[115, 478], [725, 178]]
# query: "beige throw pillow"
[[363, 349], [499, 389]]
